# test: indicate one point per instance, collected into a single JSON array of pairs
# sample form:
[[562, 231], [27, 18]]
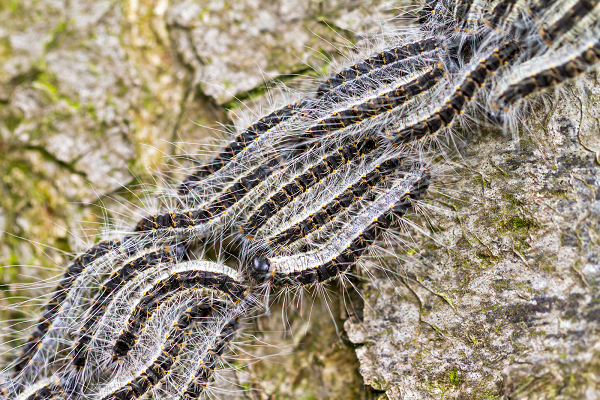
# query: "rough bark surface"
[[503, 301], [500, 300]]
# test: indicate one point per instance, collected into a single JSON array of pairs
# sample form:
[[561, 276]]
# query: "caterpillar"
[[340, 202], [107, 292], [43, 345], [201, 379], [206, 274], [239, 144], [46, 389], [323, 194], [504, 13], [194, 276], [197, 222], [461, 10], [347, 248], [163, 363], [463, 94], [541, 77], [573, 14], [375, 106], [151, 375], [59, 293], [301, 183], [390, 58]]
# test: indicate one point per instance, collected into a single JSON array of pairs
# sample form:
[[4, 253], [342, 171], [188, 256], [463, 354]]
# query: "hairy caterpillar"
[[107, 292], [540, 77], [59, 294], [375, 106], [315, 174], [567, 21], [453, 106], [342, 202], [187, 223], [44, 390], [204, 275], [345, 250], [240, 171], [176, 340], [241, 143], [197, 276], [200, 380], [390, 58]]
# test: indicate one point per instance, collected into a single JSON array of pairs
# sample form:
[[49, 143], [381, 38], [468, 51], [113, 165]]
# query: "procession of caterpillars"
[[303, 196]]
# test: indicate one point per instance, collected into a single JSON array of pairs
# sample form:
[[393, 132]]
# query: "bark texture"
[[500, 299], [503, 302]]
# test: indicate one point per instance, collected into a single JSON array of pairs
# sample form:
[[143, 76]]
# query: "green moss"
[[518, 223], [48, 84], [485, 394], [49, 81], [488, 257], [13, 120], [508, 198], [559, 193], [11, 5], [5, 48], [60, 28]]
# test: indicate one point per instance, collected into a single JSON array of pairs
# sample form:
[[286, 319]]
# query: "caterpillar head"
[[260, 269]]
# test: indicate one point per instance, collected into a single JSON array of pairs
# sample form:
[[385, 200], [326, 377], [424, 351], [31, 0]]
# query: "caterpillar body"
[[541, 77], [346, 249], [107, 292], [315, 173], [329, 211], [567, 21], [386, 59], [239, 144], [444, 116], [159, 368], [194, 276], [60, 292]]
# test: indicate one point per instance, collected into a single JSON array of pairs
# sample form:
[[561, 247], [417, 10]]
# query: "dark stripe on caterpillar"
[[208, 366], [343, 252], [463, 94], [47, 392], [427, 11], [164, 362], [568, 20], [468, 21], [108, 291], [546, 78], [222, 279], [537, 6], [373, 81], [501, 12], [461, 10], [189, 219], [386, 58], [59, 294], [303, 182], [241, 142], [340, 203], [376, 105], [580, 30]]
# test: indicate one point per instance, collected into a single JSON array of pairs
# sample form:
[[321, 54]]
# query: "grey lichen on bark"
[[499, 300], [502, 299]]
